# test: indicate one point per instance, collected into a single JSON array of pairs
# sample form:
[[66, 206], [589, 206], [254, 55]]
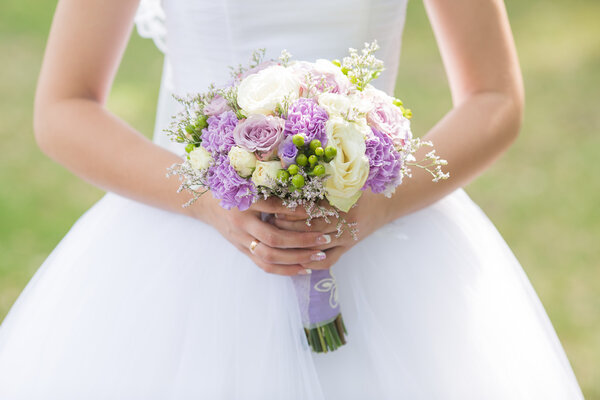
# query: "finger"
[[322, 207], [285, 270], [275, 237], [316, 225], [273, 255], [333, 255], [275, 206]]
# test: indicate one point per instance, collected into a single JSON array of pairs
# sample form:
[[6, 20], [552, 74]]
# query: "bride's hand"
[[369, 214], [278, 251]]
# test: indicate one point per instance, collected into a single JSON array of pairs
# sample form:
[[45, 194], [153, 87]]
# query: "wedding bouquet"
[[303, 132]]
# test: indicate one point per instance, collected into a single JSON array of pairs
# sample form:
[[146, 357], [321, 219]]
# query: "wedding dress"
[[140, 303]]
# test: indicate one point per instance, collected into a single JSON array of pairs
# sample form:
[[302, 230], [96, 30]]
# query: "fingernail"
[[324, 239], [305, 271], [320, 256]]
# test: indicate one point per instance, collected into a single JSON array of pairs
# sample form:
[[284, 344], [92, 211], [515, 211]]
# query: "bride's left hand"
[[369, 214]]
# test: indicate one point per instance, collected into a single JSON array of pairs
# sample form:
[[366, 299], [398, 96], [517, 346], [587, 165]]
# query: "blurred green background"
[[543, 195]]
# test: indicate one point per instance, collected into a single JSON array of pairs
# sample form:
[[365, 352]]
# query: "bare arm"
[[72, 126], [480, 59]]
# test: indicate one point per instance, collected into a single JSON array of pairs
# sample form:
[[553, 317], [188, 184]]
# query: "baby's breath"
[[432, 163], [361, 68]]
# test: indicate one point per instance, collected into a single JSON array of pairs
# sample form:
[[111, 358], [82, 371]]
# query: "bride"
[[144, 299]]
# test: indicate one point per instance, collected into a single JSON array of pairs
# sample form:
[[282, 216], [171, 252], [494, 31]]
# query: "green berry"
[[189, 147], [319, 170], [201, 123], [337, 63], [190, 129], [345, 70], [314, 144], [319, 151], [397, 102], [283, 175], [293, 169], [301, 160], [330, 152], [298, 181], [312, 159], [298, 140]]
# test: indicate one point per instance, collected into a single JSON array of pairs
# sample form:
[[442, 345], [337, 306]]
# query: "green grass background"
[[543, 195]]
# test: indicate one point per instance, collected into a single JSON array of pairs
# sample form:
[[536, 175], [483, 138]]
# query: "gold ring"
[[253, 245]]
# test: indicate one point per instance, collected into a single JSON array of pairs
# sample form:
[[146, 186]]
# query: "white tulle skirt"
[[139, 303]]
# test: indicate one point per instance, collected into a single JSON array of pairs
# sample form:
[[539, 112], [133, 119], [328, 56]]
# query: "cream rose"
[[242, 161], [335, 104], [349, 170], [261, 92], [265, 173], [200, 158]]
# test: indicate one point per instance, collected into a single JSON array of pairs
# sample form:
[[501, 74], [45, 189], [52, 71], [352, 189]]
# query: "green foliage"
[[543, 195]]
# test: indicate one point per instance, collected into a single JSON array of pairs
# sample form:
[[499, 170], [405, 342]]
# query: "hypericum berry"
[[312, 160], [189, 147], [330, 152], [302, 160], [319, 151], [314, 144], [283, 175], [298, 140], [293, 169], [201, 123], [298, 181], [319, 170]]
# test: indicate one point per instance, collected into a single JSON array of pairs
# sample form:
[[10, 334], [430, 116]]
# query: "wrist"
[[203, 208]]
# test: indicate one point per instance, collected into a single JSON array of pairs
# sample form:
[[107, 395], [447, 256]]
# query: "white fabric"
[[139, 303]]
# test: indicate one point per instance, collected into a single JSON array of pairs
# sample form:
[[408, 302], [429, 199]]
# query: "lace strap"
[[150, 22]]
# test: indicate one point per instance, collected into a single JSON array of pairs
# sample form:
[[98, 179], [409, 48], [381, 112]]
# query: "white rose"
[[261, 92], [349, 169], [200, 158], [335, 104], [242, 161], [265, 173]]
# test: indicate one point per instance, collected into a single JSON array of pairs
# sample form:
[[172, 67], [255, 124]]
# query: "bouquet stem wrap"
[[320, 310]]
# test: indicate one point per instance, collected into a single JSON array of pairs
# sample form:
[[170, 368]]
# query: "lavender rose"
[[227, 186], [384, 164], [217, 137], [387, 118], [307, 118], [217, 105], [260, 134], [287, 152], [324, 76]]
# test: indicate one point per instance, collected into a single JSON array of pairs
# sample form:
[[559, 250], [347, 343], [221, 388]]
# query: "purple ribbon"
[[317, 297]]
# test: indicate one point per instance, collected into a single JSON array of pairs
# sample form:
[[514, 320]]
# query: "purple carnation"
[[227, 186], [307, 118], [217, 137], [287, 152], [384, 163]]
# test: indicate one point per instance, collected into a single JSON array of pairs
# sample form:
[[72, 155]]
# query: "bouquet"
[[303, 132]]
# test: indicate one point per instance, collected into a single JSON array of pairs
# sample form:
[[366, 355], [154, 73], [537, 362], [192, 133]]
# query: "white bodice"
[[202, 38]]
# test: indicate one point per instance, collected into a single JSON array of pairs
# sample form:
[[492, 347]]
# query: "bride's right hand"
[[278, 251]]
